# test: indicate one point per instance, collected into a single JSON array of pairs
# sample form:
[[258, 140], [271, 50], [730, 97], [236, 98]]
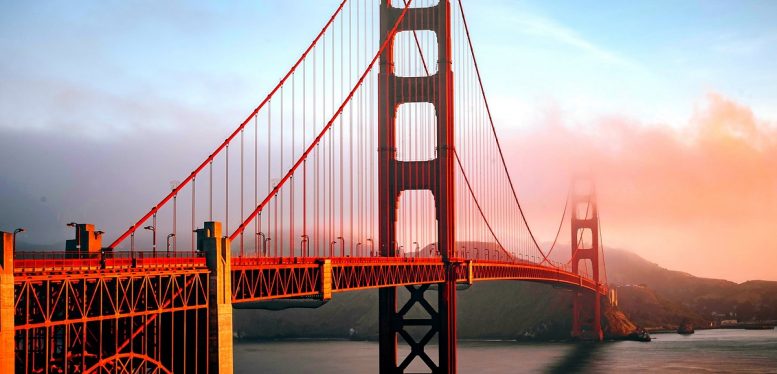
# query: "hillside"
[[668, 295], [498, 310]]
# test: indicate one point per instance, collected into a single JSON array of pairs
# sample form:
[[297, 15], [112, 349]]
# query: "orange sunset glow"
[[699, 198]]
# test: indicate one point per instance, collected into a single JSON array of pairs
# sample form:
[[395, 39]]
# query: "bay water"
[[706, 351]]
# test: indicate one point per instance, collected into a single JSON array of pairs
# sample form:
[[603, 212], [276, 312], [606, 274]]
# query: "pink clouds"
[[702, 198]]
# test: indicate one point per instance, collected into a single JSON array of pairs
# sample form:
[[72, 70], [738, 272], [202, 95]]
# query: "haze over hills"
[[654, 296], [651, 296]]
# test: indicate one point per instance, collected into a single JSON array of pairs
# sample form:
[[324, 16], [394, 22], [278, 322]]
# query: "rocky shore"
[[617, 326]]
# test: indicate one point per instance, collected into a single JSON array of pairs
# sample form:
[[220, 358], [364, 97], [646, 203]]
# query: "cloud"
[[546, 28], [39, 106], [701, 198]]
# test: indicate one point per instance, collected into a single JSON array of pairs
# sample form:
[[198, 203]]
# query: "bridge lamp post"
[[305, 244], [20, 229], [332, 248], [99, 233], [342, 246], [372, 251], [257, 240], [357, 249], [263, 239], [169, 236], [417, 249], [132, 243], [153, 238], [267, 246], [402, 250]]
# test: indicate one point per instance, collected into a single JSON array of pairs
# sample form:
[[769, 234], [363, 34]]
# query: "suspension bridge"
[[373, 164]]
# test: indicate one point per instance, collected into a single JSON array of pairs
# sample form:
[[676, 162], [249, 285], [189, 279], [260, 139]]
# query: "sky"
[[671, 105]]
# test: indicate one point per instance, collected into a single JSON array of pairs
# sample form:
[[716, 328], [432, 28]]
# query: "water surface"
[[707, 351]]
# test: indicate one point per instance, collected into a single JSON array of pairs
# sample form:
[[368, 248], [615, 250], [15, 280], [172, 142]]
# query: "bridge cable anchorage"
[[224, 144], [493, 128]]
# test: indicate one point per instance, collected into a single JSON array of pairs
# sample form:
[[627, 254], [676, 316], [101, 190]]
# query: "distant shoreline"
[[467, 340]]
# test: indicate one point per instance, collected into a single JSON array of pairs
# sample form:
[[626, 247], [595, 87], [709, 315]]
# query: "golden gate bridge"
[[373, 164]]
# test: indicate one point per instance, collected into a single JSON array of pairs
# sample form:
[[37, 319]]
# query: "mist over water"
[[716, 351]]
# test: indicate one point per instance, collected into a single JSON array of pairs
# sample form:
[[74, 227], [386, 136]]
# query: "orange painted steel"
[[128, 363], [258, 279], [59, 306], [68, 321]]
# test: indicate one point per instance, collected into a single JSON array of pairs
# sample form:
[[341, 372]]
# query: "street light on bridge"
[[263, 241], [132, 242], [153, 238], [19, 230], [342, 246], [305, 244], [372, 250], [169, 236]]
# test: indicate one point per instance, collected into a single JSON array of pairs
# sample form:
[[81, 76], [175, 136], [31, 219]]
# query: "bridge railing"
[[54, 261]]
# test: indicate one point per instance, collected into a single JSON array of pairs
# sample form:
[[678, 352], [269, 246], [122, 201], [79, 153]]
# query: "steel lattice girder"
[[274, 279], [71, 322]]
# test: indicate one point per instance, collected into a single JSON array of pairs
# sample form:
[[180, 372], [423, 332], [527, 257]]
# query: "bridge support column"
[[6, 304], [586, 308], [218, 257], [447, 311], [440, 322], [436, 176]]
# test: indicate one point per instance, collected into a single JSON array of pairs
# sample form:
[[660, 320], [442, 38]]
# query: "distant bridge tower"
[[586, 307], [437, 177]]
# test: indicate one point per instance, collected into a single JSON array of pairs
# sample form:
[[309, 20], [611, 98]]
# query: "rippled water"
[[707, 351]]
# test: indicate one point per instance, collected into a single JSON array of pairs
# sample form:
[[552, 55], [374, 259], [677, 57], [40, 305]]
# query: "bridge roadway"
[[105, 306], [268, 278]]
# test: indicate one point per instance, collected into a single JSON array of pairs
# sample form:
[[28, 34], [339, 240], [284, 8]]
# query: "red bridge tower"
[[434, 175], [586, 307]]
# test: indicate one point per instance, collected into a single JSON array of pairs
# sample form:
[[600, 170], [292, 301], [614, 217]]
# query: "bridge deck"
[[266, 278]]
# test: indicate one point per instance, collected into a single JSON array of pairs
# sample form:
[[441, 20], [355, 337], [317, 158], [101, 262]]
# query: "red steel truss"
[[258, 279], [76, 320]]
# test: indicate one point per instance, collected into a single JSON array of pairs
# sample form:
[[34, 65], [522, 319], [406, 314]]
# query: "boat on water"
[[640, 335], [685, 328]]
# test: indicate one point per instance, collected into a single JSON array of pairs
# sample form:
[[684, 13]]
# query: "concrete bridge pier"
[[6, 304], [218, 258]]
